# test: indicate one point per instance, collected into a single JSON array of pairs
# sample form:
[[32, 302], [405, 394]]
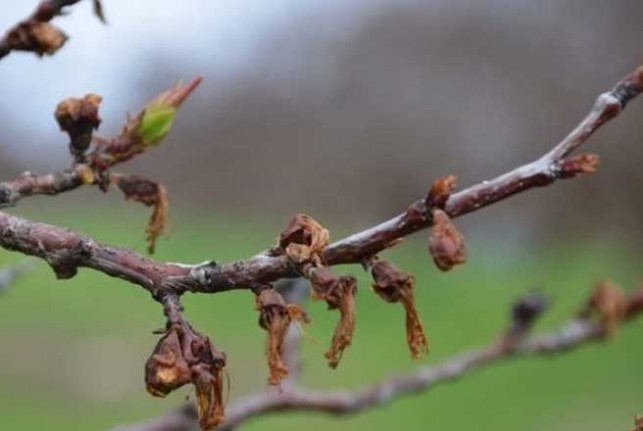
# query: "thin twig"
[[571, 335]]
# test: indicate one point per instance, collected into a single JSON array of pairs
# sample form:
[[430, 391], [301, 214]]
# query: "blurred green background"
[[73, 351]]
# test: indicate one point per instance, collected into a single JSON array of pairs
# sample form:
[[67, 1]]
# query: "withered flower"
[[304, 240], [446, 243], [149, 193], [634, 302], [440, 191], [275, 317], [339, 293], [393, 285], [183, 356], [36, 36], [638, 423], [79, 118], [166, 369], [609, 303]]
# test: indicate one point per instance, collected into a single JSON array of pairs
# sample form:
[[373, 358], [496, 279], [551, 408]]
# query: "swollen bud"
[[79, 118]]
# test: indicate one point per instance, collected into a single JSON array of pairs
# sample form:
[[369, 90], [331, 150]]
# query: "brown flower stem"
[[571, 335]]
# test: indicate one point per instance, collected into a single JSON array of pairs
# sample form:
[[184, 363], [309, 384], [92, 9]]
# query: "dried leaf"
[[208, 382], [149, 193], [393, 285], [441, 191], [609, 303], [304, 240], [339, 293], [446, 243]]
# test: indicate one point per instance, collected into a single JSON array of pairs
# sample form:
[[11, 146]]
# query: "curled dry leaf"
[[304, 240], [275, 317], [339, 293], [440, 191], [149, 193], [184, 356], [609, 303], [393, 285], [446, 243], [78, 117]]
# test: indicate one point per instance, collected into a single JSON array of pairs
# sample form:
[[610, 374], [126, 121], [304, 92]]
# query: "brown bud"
[[339, 293], [36, 36], [149, 193], [608, 302], [79, 118], [275, 317], [446, 243], [393, 285], [440, 191], [167, 369], [580, 164], [304, 240]]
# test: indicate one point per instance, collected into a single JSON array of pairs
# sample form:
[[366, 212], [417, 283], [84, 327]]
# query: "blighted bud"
[[393, 285], [304, 240], [580, 164], [440, 191], [79, 118], [339, 293], [446, 244]]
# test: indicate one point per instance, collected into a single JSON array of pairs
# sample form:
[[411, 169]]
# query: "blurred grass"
[[73, 351]]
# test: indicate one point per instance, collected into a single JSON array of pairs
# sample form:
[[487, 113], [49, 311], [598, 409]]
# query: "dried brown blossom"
[[36, 36], [275, 317], [440, 191], [79, 118], [149, 193], [393, 285], [609, 303], [339, 293], [446, 243], [634, 302], [638, 423], [579, 164], [304, 240], [184, 356]]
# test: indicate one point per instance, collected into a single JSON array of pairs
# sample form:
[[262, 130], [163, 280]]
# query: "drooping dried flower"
[[609, 303], [183, 356], [339, 293], [149, 193], [166, 369], [393, 285], [78, 117], [275, 317], [440, 191], [304, 240], [446, 243]]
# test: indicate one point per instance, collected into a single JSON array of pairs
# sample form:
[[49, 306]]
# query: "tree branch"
[[512, 343]]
